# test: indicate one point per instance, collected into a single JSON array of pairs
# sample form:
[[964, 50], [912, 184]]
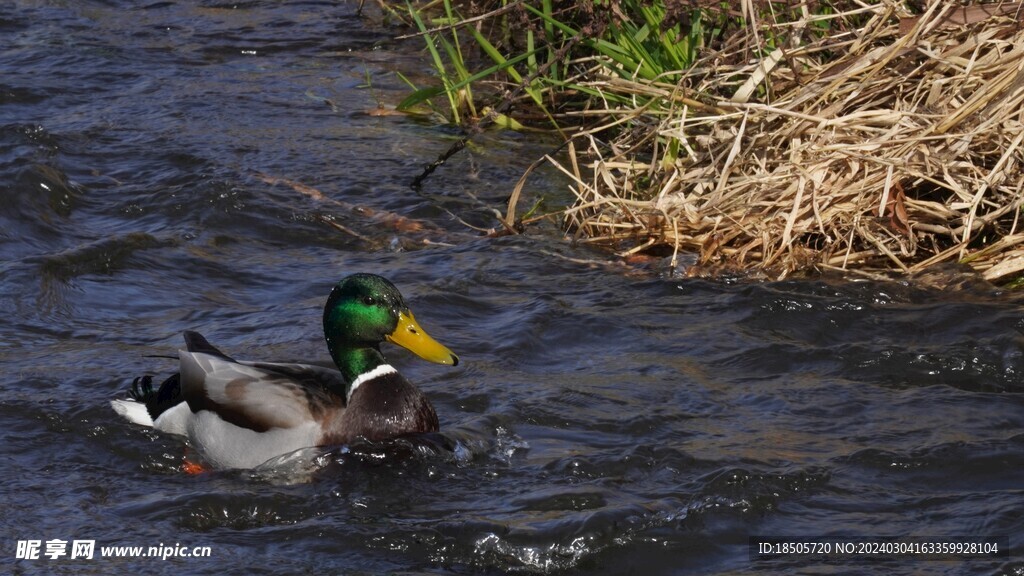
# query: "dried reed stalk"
[[904, 152]]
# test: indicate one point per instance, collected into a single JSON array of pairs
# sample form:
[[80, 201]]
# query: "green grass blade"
[[419, 96], [438, 63]]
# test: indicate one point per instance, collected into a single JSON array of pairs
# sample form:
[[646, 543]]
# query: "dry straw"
[[903, 152]]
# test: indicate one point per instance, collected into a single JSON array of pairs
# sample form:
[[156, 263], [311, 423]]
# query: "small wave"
[[460, 447]]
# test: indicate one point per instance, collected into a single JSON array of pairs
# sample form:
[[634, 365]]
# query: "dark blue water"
[[178, 165]]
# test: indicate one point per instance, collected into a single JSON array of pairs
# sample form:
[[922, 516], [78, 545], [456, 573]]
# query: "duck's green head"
[[364, 310]]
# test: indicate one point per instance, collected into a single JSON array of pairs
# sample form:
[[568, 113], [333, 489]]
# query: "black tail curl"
[[159, 400], [168, 394]]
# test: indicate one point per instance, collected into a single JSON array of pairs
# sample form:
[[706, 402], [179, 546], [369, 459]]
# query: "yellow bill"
[[410, 336]]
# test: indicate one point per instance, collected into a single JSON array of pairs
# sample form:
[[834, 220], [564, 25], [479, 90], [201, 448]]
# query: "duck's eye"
[[369, 300]]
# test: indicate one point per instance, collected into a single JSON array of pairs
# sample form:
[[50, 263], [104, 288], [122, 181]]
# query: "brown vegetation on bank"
[[893, 142]]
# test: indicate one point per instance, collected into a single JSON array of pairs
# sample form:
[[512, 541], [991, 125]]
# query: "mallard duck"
[[239, 414]]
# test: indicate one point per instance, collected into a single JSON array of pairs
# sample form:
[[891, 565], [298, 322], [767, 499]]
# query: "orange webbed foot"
[[189, 467]]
